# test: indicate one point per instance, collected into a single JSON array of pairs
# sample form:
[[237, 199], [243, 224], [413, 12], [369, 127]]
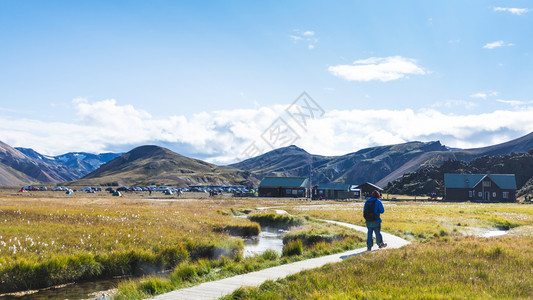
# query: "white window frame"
[[505, 195]]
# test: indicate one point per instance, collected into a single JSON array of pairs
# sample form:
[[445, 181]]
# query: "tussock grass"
[[293, 248], [277, 220], [471, 267], [253, 229]]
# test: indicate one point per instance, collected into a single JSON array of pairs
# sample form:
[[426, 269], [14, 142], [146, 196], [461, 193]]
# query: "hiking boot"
[[368, 248], [383, 245]]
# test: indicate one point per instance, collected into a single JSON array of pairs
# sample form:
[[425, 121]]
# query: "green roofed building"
[[480, 187], [293, 187], [336, 191]]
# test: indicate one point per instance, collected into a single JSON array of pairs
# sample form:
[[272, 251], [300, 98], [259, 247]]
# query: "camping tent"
[[169, 192], [117, 193], [69, 192], [22, 190]]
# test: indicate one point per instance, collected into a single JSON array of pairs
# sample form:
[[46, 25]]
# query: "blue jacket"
[[378, 208]]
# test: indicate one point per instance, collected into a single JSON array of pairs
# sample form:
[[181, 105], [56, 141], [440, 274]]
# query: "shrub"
[[183, 272], [283, 221], [170, 257], [503, 224], [252, 229], [270, 254], [203, 267], [154, 286], [293, 248]]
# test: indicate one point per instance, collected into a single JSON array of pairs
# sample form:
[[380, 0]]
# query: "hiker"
[[371, 212]]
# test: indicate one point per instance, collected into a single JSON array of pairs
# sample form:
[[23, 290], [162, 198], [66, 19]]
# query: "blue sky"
[[207, 79]]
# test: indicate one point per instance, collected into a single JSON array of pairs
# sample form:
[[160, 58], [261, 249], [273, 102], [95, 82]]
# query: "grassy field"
[[49, 238], [447, 260], [308, 238], [423, 221], [459, 268]]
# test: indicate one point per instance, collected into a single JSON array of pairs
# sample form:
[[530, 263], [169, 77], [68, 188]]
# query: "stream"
[[269, 238], [85, 290], [493, 233]]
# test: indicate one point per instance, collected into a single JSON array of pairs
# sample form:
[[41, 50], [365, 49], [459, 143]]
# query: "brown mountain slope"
[[148, 165], [32, 170], [371, 164], [12, 177]]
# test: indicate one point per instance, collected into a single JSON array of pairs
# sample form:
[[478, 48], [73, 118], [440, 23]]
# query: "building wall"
[[481, 193], [367, 189], [286, 192]]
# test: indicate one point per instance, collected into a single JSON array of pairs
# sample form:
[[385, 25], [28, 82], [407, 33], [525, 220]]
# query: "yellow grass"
[[52, 232]]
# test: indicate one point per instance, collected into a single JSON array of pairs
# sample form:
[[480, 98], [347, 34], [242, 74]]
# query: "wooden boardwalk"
[[219, 288]]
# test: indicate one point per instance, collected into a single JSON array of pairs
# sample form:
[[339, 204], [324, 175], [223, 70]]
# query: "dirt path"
[[219, 288]]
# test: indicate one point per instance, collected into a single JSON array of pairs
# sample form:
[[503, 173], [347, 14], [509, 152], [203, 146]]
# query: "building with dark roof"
[[480, 187], [293, 187], [367, 188], [335, 191]]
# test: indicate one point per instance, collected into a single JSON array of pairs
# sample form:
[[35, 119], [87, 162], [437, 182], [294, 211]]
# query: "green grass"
[[47, 239], [471, 268], [194, 272], [277, 220], [423, 222]]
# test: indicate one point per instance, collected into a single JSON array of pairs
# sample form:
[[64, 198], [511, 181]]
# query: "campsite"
[[236, 149]]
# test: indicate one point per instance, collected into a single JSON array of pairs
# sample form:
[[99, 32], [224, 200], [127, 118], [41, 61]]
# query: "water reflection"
[[85, 290], [269, 238]]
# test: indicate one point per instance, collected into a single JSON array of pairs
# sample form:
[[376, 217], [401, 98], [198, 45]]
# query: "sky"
[[226, 80]]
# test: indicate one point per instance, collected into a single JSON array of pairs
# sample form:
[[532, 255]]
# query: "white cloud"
[[479, 95], [296, 38], [497, 44], [378, 68], [222, 136], [306, 36], [456, 103], [515, 11], [516, 103], [484, 95]]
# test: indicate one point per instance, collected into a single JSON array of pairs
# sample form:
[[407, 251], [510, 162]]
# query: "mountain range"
[[20, 166], [379, 165], [154, 164]]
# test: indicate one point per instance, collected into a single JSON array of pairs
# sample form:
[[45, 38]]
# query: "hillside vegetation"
[[148, 165], [430, 179]]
